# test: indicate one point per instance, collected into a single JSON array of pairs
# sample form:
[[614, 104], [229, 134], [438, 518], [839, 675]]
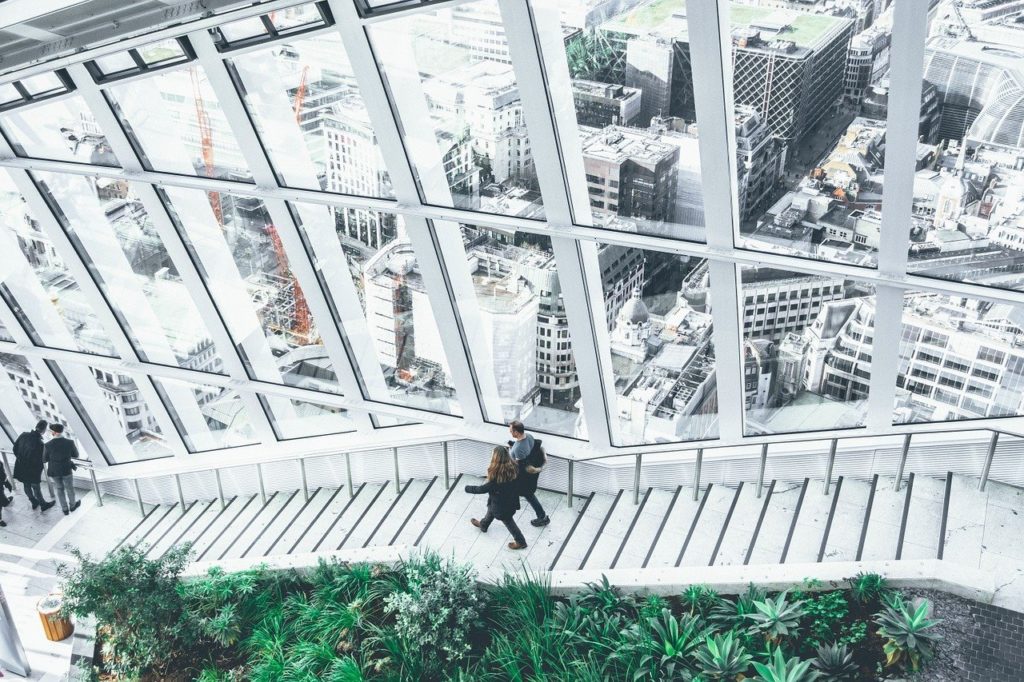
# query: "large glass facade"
[[180, 308]]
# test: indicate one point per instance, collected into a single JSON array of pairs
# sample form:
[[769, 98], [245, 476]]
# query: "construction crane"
[[300, 94], [206, 142], [302, 323], [963, 22]]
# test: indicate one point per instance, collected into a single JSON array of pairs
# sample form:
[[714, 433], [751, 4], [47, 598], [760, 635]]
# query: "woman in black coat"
[[502, 495]]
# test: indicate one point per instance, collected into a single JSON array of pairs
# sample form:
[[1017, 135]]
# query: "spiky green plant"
[[728, 614], [906, 631], [835, 663], [699, 599], [868, 588], [781, 669], [777, 618], [722, 657], [672, 642]]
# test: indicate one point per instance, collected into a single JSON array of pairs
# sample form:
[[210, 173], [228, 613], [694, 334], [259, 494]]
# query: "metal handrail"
[[637, 469]]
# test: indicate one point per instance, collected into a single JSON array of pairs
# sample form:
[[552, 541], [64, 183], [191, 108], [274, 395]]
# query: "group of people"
[[31, 456], [513, 473]]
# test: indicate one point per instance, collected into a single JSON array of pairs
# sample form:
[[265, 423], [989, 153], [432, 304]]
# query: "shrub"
[[699, 599], [436, 613], [835, 663], [826, 614], [777, 618], [722, 657], [868, 588], [781, 669], [135, 602], [726, 614], [672, 643], [906, 633]]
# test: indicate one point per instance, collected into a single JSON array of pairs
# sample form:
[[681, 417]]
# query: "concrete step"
[[453, 517], [255, 527], [188, 527], [545, 545], [924, 518], [412, 493], [341, 533], [805, 543], [245, 518], [145, 525], [299, 523], [576, 545], [605, 544], [328, 517], [429, 507], [363, 530], [743, 523], [637, 543], [965, 522], [675, 528], [771, 540], [710, 525], [848, 521], [274, 525], [237, 508], [885, 520], [492, 549]]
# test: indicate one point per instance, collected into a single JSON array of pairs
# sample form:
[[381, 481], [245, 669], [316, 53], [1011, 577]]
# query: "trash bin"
[[55, 625]]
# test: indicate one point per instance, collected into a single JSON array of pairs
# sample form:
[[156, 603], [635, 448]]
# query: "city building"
[[600, 104]]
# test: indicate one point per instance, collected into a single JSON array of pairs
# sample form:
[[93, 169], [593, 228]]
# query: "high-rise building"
[[602, 104]]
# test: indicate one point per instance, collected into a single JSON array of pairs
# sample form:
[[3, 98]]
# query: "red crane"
[[206, 142], [302, 322], [300, 94]]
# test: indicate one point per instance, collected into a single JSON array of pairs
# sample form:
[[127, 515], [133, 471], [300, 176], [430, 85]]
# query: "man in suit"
[[59, 455], [28, 464]]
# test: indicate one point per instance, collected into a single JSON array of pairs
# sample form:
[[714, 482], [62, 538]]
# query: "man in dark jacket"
[[28, 464], [59, 455], [529, 455]]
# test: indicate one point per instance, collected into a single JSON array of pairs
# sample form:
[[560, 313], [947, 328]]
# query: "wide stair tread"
[[633, 551], [300, 520], [805, 543], [965, 523], [578, 542], [241, 521], [399, 512], [491, 549], [710, 525], [848, 520], [743, 524], [885, 520], [223, 523], [771, 540], [674, 529], [924, 518]]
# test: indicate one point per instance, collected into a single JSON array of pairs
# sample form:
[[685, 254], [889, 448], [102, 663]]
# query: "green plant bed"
[[429, 619]]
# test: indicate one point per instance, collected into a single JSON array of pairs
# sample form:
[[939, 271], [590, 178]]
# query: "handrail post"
[[138, 497], [302, 473], [96, 487], [636, 478], [263, 489], [181, 493], [348, 474], [696, 473], [398, 481], [760, 469], [903, 462], [220, 489], [830, 465], [568, 487], [993, 441], [447, 473]]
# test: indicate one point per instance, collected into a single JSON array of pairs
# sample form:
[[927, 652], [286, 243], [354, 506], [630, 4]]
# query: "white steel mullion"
[[181, 397], [885, 355], [53, 388], [420, 233], [712, 75], [579, 271]]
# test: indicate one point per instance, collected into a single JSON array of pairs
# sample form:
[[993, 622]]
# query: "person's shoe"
[[516, 545], [541, 522], [76, 505], [35, 505], [46, 505], [3, 524], [476, 523], [66, 512]]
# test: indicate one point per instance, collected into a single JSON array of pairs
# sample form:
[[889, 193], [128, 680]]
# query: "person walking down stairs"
[[502, 490], [59, 454], [28, 465], [529, 456]]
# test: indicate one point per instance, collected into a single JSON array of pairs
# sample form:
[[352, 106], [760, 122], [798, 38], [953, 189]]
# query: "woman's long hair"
[[502, 468]]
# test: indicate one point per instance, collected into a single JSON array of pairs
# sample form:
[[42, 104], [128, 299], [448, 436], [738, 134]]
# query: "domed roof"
[[634, 311], [1002, 121]]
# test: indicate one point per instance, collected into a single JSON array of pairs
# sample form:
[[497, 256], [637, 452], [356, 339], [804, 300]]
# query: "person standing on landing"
[[529, 456], [28, 465], [502, 492], [59, 454]]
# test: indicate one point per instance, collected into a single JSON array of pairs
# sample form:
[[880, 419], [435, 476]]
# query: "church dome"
[[634, 311]]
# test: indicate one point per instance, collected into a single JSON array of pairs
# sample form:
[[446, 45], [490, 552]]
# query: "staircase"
[[791, 522]]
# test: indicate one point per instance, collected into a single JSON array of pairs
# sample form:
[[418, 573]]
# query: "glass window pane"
[[451, 77], [296, 17], [116, 63], [43, 83], [127, 426], [160, 52], [662, 354], [4, 334], [806, 351], [632, 98], [246, 269], [61, 129], [385, 296], [521, 346], [34, 276], [9, 93], [242, 29], [815, 98], [23, 397], [176, 121], [960, 358], [299, 418], [207, 417], [311, 118], [966, 223], [116, 237]]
